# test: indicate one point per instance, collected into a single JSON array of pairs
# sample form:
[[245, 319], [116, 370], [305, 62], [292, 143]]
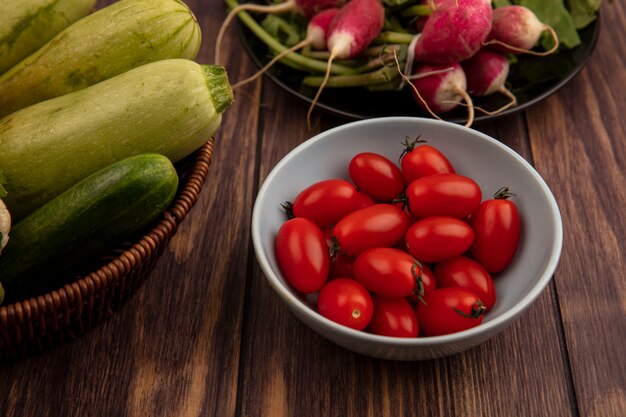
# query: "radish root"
[[267, 66], [553, 34], [417, 93], [470, 106], [319, 90], [287, 6]]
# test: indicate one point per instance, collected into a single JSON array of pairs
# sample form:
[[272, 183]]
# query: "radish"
[[442, 89], [454, 32], [356, 25], [516, 29], [306, 8], [316, 32], [486, 73]]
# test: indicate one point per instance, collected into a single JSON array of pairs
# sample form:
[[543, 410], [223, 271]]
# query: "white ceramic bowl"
[[490, 163]]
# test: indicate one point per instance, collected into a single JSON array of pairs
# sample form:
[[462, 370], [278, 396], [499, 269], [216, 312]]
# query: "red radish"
[[516, 29], [454, 32], [316, 34], [306, 8], [486, 73], [441, 91], [356, 25]]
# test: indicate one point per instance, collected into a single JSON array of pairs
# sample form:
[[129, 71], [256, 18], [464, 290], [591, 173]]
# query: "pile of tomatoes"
[[401, 251]]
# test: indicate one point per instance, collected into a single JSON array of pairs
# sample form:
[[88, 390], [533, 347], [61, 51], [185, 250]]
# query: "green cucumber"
[[124, 35], [85, 222], [26, 25], [171, 107]]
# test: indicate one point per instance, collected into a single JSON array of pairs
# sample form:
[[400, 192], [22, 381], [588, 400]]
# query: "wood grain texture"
[[578, 140]]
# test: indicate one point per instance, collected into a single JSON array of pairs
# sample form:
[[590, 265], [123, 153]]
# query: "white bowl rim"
[[493, 325]]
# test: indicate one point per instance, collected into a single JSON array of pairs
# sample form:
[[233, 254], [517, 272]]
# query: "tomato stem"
[[418, 279], [334, 250], [288, 207], [409, 146], [402, 198], [478, 309], [503, 193]]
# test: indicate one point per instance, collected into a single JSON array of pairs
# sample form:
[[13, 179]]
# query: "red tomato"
[[426, 283], [443, 195], [380, 225], [467, 273], [325, 202], [363, 200], [341, 266], [497, 228], [437, 238], [449, 310], [376, 175], [302, 254], [421, 161], [387, 271], [346, 302], [393, 317]]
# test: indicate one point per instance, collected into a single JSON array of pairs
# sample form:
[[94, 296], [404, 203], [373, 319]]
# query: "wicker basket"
[[41, 323]]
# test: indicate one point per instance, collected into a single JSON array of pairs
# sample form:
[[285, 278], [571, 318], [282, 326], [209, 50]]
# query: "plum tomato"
[[363, 200], [376, 175], [449, 310], [387, 271], [422, 161], [443, 195], [325, 202], [426, 282], [437, 238], [345, 301], [393, 317], [497, 226], [341, 266], [302, 254], [467, 273], [380, 225]]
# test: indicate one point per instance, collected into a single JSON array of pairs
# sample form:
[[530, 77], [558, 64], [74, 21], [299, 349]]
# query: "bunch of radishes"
[[459, 51]]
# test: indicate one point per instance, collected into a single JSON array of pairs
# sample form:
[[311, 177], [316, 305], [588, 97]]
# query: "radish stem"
[[393, 37], [381, 76], [266, 38], [417, 10]]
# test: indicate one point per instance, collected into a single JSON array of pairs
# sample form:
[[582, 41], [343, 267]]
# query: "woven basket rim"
[[130, 258]]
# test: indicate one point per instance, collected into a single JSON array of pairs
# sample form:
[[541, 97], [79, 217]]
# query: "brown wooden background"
[[206, 336]]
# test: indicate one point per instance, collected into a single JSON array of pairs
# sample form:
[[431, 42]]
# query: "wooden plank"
[[578, 140], [289, 370], [173, 350]]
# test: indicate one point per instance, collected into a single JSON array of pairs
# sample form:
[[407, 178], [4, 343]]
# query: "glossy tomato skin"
[[497, 227], [437, 315], [363, 200], [466, 273], [393, 317], [422, 161], [387, 271], [429, 283], [302, 255], [346, 302], [443, 195], [325, 202], [376, 175], [380, 225], [438, 238]]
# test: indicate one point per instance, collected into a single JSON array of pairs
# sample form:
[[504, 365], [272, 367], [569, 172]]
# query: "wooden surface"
[[206, 335]]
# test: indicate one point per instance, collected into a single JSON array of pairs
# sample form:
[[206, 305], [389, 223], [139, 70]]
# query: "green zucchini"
[[26, 25], [124, 35], [85, 222], [171, 107]]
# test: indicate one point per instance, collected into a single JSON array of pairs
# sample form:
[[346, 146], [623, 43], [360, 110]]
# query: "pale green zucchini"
[[124, 35], [26, 25], [171, 107]]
